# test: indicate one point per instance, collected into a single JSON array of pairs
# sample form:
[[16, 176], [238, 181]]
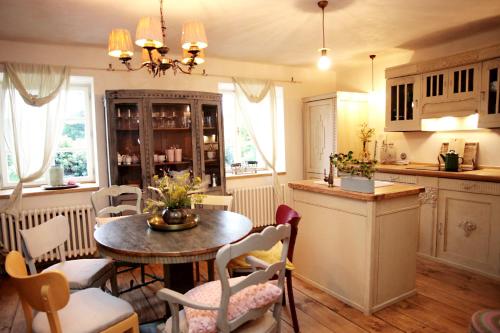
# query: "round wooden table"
[[130, 239]]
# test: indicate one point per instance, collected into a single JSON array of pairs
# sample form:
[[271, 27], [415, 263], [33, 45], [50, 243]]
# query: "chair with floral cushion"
[[238, 266], [57, 311], [239, 304]]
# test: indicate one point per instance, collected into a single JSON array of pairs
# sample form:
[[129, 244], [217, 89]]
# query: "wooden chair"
[[81, 273], [284, 215], [257, 319], [56, 310], [109, 213], [223, 202], [112, 213]]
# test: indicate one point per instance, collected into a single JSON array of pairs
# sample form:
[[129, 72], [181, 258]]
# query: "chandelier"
[[151, 36]]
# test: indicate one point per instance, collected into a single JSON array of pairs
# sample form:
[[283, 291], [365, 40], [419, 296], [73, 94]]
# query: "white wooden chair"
[[216, 201], [57, 311], [256, 319], [107, 214], [81, 273], [223, 202]]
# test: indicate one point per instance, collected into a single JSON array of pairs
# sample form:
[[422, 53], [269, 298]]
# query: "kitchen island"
[[358, 247]]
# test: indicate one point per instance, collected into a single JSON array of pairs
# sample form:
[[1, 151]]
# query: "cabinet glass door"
[[172, 142], [401, 103], [492, 91], [464, 82], [125, 127], [212, 152]]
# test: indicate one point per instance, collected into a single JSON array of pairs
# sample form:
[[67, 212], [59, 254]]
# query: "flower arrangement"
[[345, 163], [365, 134], [173, 192]]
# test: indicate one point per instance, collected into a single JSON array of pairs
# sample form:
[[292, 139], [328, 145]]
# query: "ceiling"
[[269, 31]]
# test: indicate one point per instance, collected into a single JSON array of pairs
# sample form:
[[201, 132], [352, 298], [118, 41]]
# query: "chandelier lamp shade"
[[324, 62], [150, 35]]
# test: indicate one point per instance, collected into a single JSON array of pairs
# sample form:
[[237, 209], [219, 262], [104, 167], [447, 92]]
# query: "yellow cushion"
[[270, 256]]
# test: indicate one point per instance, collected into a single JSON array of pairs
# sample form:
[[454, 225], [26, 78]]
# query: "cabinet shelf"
[[172, 129], [127, 129], [130, 165], [172, 163]]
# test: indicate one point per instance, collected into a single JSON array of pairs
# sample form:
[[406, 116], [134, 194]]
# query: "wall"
[[420, 146], [313, 83]]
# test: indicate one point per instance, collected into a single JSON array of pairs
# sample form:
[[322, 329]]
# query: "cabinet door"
[[125, 131], [464, 82], [469, 230], [402, 104], [489, 116], [318, 135], [434, 87]]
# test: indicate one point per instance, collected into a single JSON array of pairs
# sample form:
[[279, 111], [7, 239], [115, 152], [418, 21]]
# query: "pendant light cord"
[[372, 56], [323, 23], [163, 27]]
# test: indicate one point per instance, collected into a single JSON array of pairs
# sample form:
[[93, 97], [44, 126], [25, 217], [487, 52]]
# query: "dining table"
[[130, 239]]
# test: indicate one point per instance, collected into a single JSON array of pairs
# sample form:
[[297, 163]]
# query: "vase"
[[174, 216]]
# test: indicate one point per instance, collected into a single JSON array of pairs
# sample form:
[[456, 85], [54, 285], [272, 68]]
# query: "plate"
[[59, 187], [157, 223]]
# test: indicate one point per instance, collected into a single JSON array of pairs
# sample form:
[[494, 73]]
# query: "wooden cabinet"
[[459, 221], [469, 230], [402, 110], [489, 116], [331, 124], [435, 87], [464, 82], [150, 132]]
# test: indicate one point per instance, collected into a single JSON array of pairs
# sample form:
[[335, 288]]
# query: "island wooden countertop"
[[381, 193], [485, 175]]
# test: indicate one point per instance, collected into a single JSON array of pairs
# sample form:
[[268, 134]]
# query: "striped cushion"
[[485, 321]]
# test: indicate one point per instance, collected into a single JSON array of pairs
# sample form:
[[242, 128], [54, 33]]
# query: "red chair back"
[[285, 214]]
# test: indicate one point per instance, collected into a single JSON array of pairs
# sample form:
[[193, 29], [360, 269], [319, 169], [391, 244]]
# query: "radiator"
[[256, 203], [81, 225]]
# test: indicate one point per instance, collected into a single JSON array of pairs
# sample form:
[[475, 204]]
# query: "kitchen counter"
[[485, 175], [358, 247], [381, 193]]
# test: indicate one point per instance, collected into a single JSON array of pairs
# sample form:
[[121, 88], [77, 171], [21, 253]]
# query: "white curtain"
[[33, 100], [256, 102]]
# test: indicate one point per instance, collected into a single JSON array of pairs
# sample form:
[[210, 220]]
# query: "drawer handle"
[[468, 227]]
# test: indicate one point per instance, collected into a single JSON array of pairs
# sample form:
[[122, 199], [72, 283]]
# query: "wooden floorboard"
[[446, 298]]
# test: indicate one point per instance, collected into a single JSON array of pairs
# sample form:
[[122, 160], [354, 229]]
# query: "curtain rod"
[[110, 68]]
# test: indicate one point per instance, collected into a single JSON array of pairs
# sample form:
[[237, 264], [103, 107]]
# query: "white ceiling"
[[269, 31]]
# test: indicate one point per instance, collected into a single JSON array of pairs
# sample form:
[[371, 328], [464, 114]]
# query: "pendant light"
[[324, 61]]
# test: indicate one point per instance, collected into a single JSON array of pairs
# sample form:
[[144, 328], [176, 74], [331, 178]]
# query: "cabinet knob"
[[468, 227]]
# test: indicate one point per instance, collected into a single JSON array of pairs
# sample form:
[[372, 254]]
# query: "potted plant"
[[355, 175], [172, 195]]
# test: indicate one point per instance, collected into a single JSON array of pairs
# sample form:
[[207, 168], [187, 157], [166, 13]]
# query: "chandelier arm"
[[131, 69], [176, 64]]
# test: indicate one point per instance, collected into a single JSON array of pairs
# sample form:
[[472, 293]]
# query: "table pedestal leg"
[[178, 277]]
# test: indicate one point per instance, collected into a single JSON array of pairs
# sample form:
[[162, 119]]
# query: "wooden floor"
[[446, 299]]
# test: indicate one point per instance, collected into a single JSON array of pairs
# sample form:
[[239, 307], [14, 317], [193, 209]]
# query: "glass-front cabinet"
[[402, 112], [490, 96], [153, 132], [464, 82]]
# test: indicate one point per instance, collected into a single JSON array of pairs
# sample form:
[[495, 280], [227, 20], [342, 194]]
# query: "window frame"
[[85, 83], [225, 88]]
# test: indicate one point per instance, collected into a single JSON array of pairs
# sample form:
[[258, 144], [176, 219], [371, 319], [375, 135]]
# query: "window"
[[74, 150], [239, 147]]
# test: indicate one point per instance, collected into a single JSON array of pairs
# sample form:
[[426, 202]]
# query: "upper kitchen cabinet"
[[402, 104], [490, 101], [456, 86]]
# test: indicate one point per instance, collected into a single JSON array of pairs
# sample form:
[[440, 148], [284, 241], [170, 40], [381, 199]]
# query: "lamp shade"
[[120, 44], [154, 54], [186, 57], [148, 32], [193, 34]]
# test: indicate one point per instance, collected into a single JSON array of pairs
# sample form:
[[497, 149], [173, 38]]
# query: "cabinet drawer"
[[469, 186], [396, 178]]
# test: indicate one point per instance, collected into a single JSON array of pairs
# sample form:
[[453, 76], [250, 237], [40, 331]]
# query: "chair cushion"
[[485, 321], [83, 273], [264, 324], [252, 297], [271, 256], [89, 310]]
